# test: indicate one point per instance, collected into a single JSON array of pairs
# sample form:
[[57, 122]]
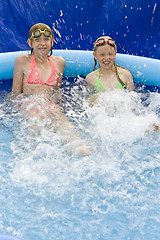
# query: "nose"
[[106, 56], [42, 41]]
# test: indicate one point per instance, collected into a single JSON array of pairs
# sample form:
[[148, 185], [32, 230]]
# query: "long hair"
[[95, 47], [42, 27], [95, 61]]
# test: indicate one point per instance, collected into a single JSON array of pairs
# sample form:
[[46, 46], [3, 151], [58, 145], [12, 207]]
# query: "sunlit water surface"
[[114, 193]]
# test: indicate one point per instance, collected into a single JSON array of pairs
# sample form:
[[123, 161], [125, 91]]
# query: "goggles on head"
[[38, 32], [102, 41]]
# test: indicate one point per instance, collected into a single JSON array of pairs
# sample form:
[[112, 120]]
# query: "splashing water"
[[111, 194]]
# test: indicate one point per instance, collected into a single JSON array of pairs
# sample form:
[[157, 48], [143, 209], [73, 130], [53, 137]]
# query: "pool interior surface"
[[48, 193]]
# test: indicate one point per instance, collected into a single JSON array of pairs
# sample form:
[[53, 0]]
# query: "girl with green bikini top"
[[100, 88], [108, 75]]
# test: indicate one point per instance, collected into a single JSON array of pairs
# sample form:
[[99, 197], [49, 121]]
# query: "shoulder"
[[59, 63], [22, 59], [58, 59], [125, 72], [21, 62], [91, 78], [126, 77]]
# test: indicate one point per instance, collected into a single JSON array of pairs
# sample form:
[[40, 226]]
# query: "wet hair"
[[95, 61], [42, 27], [95, 47]]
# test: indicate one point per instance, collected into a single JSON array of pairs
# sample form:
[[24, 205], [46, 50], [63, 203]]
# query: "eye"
[[47, 39], [36, 39]]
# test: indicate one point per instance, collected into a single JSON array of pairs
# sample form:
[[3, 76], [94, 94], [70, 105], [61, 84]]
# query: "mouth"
[[106, 62], [42, 48]]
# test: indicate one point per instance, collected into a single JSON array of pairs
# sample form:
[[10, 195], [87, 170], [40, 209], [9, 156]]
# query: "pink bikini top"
[[35, 78]]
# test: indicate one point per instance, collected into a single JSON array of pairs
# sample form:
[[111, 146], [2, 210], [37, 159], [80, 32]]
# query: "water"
[[112, 194]]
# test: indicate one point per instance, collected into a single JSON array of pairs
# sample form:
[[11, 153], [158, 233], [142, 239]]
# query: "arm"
[[126, 77], [60, 65], [89, 80], [93, 97], [129, 81], [18, 75]]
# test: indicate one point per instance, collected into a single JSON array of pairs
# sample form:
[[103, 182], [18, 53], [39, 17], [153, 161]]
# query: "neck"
[[107, 71], [41, 58]]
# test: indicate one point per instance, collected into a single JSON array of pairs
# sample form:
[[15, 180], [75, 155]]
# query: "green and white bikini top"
[[100, 88]]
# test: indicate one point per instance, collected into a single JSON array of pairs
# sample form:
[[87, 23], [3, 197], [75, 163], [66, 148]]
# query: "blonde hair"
[[95, 47], [95, 61], [106, 37]]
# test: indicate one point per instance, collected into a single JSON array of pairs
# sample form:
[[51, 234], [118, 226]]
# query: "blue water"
[[112, 194]]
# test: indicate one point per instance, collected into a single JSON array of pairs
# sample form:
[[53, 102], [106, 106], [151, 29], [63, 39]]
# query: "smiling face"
[[41, 45], [105, 55], [105, 52]]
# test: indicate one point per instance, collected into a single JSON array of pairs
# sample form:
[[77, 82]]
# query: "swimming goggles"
[[38, 32], [102, 41]]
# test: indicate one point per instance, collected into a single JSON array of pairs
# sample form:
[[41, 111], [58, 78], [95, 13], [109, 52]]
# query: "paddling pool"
[[112, 194]]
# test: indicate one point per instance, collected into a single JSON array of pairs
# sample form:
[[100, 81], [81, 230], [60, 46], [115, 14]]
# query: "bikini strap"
[[33, 61], [33, 65], [98, 74], [119, 79], [54, 70]]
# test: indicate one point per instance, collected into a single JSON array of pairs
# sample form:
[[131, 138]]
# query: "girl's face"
[[41, 45], [105, 55]]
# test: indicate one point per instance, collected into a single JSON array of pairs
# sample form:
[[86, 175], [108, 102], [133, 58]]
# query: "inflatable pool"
[[8, 237], [113, 193], [49, 188], [78, 62]]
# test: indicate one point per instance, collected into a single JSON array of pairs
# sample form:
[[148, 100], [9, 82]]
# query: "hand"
[[84, 150]]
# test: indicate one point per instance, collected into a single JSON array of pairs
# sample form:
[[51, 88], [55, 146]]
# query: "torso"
[[39, 87], [34, 76], [108, 81], [99, 87]]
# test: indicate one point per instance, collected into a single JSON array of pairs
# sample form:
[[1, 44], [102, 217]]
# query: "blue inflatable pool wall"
[[144, 70], [76, 25], [8, 237]]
